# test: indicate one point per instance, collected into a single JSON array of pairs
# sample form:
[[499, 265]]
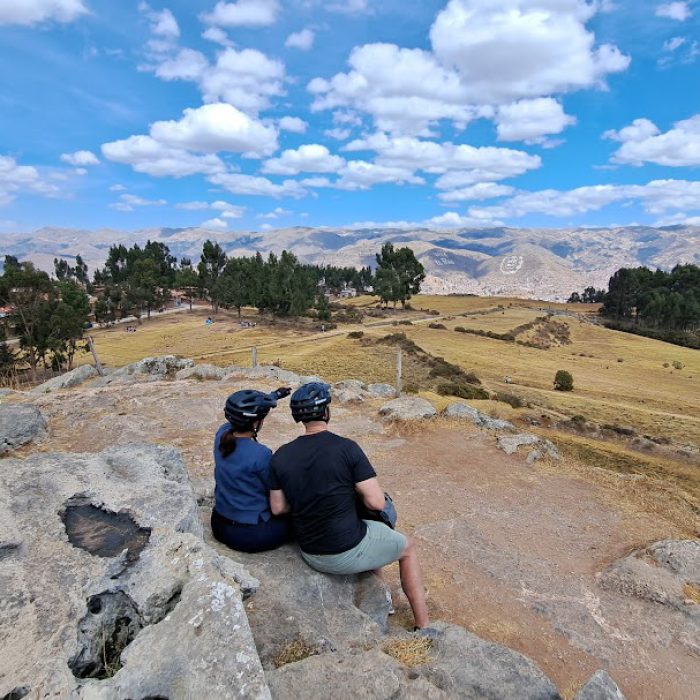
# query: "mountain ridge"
[[523, 262]]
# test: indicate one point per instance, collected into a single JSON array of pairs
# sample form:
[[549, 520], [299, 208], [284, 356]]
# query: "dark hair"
[[227, 443]]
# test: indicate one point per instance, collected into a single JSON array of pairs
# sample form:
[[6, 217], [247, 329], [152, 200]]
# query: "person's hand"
[[282, 392]]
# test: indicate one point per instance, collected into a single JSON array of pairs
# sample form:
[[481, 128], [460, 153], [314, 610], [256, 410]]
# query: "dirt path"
[[509, 551]]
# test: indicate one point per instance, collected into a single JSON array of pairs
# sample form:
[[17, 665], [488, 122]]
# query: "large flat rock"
[[19, 425]]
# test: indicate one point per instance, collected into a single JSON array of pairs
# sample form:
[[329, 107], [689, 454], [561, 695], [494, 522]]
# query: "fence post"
[[399, 372], [98, 366], [255, 356]]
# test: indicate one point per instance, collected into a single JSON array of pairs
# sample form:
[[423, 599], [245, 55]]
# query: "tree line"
[[47, 314], [663, 305]]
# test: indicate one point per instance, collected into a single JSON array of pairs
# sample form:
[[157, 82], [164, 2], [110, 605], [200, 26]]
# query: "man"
[[317, 478]]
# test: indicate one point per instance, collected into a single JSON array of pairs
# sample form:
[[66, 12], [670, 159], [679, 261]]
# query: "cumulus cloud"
[[514, 49], [146, 155], [192, 206], [15, 178], [479, 191], [80, 158], [642, 142], [217, 127], [163, 23], [239, 183], [292, 124], [656, 197], [228, 210], [128, 202], [362, 175], [674, 10], [215, 224], [309, 158], [243, 13], [302, 40], [275, 213], [217, 35], [185, 64], [117, 188], [531, 120], [405, 90], [349, 7], [29, 12]]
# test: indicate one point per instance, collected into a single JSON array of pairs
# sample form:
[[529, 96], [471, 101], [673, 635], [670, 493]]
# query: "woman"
[[241, 518]]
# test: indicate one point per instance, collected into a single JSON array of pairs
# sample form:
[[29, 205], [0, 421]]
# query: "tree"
[[232, 287], [7, 356], [69, 317], [81, 272], [322, 308], [210, 267], [187, 280], [563, 381], [399, 274], [62, 270]]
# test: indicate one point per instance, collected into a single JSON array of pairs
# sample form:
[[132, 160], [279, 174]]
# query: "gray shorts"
[[379, 547]]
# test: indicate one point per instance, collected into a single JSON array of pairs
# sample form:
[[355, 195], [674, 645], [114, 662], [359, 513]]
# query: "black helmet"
[[245, 407], [309, 402]]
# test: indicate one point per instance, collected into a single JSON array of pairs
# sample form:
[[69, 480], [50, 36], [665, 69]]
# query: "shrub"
[[677, 365], [355, 335], [437, 326], [405, 323], [462, 391], [563, 381], [620, 359], [411, 388], [666, 365], [460, 329], [510, 399], [578, 419]]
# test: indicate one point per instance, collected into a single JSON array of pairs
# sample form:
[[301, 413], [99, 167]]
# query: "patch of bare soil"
[[509, 551]]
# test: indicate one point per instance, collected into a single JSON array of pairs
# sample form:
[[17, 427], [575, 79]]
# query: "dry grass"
[[296, 650], [692, 592], [409, 652]]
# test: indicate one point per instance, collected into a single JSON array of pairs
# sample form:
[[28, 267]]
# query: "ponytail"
[[227, 443]]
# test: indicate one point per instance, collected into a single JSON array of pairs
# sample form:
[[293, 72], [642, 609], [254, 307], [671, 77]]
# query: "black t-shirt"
[[318, 474]]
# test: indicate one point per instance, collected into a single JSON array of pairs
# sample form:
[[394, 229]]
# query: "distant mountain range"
[[541, 263]]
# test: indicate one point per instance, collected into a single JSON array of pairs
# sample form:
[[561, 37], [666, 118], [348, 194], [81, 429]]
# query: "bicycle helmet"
[[309, 402], [243, 408]]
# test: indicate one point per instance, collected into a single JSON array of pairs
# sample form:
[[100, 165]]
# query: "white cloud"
[[217, 127], [217, 35], [186, 64], [362, 175], [530, 120], [657, 197], [228, 210], [473, 164], [674, 43], [479, 191], [192, 206], [507, 50], [146, 155], [130, 201], [28, 12], [674, 10], [238, 183], [292, 124], [302, 40], [405, 90], [243, 13], [309, 158], [338, 134], [117, 188], [642, 143], [15, 178], [215, 224], [163, 23], [80, 158], [275, 213], [349, 7], [246, 79], [452, 219]]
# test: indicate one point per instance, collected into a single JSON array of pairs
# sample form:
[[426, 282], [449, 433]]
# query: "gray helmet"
[[310, 401], [243, 408]]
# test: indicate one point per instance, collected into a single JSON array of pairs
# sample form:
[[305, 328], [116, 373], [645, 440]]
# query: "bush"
[[563, 381], [578, 418], [462, 391], [460, 329], [677, 365], [355, 335], [510, 399], [437, 326]]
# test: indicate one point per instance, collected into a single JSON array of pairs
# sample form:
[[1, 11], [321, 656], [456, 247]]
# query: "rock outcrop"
[[600, 687], [511, 443], [66, 381], [464, 411], [19, 425], [408, 408], [109, 590], [384, 391], [202, 373], [148, 369]]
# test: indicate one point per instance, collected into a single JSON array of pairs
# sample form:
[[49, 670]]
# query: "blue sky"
[[272, 113]]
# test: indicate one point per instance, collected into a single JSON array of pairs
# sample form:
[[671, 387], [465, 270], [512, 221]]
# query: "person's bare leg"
[[412, 583]]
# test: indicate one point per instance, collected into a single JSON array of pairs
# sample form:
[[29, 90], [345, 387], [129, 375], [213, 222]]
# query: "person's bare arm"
[[371, 492], [278, 503]]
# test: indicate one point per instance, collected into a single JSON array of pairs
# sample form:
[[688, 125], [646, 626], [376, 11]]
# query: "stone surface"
[[19, 424], [173, 617], [349, 396], [353, 384], [600, 687], [461, 410], [284, 376], [466, 666], [658, 574], [408, 408], [66, 381], [148, 369], [510, 444], [295, 602], [382, 390], [203, 372]]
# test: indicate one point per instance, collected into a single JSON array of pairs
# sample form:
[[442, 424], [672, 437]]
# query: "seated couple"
[[316, 479]]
